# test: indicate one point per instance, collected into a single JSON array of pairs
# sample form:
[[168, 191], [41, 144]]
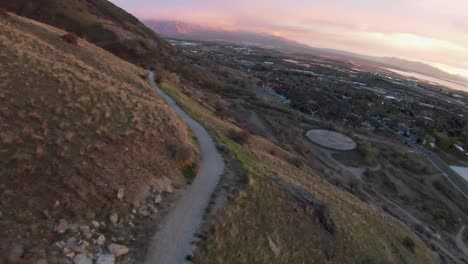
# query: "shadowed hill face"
[[76, 125], [102, 23]]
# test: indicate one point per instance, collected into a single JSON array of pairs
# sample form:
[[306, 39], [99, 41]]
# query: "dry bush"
[[296, 162], [409, 243], [179, 152], [4, 12], [221, 111], [240, 137], [71, 38]]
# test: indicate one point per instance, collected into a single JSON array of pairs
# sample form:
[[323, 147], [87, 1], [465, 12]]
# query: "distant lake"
[[448, 84]]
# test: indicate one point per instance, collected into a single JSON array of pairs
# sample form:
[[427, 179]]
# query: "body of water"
[[448, 84]]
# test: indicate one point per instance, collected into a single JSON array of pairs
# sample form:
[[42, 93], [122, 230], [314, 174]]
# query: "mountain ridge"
[[173, 28]]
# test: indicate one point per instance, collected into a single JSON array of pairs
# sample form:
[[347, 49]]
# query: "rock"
[[169, 188], [90, 215], [42, 261], [63, 260], [95, 224], [101, 240], [71, 242], [60, 244], [121, 193], [16, 253], [118, 250], [57, 204], [143, 211], [61, 227], [114, 218], [73, 228], [82, 259], [87, 234], [70, 255], [157, 199], [105, 259]]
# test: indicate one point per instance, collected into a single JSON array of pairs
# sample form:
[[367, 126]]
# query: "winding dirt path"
[[173, 240]]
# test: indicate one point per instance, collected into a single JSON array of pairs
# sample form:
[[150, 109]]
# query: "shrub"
[[442, 187], [190, 172], [409, 243], [71, 38], [4, 12], [179, 152], [220, 110], [240, 137], [296, 162]]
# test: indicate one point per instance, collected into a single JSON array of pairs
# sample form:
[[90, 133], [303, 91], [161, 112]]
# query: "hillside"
[[281, 210], [102, 23], [82, 137]]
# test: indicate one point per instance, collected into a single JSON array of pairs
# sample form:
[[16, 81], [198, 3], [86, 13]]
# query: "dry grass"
[[88, 126], [263, 214]]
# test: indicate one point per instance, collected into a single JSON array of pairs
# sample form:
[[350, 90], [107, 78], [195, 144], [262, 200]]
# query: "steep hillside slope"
[[284, 212], [77, 126], [102, 23]]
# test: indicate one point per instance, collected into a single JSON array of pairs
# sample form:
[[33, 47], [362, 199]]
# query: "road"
[[173, 240], [448, 172], [458, 182]]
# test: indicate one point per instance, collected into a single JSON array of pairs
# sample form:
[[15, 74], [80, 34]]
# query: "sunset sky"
[[431, 31]]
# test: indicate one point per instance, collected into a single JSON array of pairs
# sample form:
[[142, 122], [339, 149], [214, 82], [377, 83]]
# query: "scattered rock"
[[121, 193], [61, 227], [71, 242], [144, 210], [60, 244], [42, 261], [118, 250], [105, 259], [157, 199], [169, 188], [114, 218], [82, 259], [88, 234], [73, 228], [101, 240], [152, 209], [57, 204], [16, 253], [70, 255], [90, 215], [95, 224]]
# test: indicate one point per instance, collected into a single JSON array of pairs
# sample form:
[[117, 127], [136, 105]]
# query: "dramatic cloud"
[[433, 31]]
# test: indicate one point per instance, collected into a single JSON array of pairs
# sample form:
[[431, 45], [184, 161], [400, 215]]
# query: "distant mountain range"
[[197, 32]]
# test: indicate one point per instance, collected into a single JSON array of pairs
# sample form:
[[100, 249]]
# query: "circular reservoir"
[[331, 139]]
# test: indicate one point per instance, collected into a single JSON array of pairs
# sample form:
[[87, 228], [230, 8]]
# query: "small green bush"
[[190, 172]]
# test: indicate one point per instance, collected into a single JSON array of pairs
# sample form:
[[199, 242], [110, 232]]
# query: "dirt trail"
[[173, 240]]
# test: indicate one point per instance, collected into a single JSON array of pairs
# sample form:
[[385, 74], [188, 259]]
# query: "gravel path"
[[173, 240]]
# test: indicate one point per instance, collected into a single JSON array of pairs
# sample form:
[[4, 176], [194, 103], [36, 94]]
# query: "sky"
[[431, 31]]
